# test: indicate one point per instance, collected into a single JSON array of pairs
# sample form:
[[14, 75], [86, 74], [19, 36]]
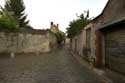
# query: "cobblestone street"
[[55, 67]]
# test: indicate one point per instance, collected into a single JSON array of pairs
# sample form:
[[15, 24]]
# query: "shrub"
[[60, 37], [7, 22]]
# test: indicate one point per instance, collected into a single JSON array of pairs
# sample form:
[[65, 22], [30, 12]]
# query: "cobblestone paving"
[[55, 67]]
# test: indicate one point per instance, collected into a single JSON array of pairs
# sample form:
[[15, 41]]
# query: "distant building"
[[54, 28]]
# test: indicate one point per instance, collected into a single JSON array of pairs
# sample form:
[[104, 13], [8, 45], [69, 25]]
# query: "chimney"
[[51, 24], [57, 26]]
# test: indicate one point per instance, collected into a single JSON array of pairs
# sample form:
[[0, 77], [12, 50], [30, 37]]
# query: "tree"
[[77, 25], [60, 37], [7, 22], [17, 8]]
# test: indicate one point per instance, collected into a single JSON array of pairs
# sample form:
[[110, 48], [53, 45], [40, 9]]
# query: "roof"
[[112, 22], [101, 12], [115, 22]]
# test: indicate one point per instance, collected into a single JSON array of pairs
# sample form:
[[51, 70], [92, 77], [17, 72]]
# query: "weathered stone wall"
[[79, 45], [79, 42], [52, 40], [73, 44], [25, 42], [67, 40]]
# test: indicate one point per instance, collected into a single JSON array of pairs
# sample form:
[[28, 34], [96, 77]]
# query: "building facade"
[[103, 39], [54, 28]]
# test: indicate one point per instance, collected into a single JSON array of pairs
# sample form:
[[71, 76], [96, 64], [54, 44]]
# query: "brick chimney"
[[51, 24], [57, 26]]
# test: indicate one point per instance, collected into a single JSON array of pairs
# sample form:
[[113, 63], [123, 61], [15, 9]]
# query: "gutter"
[[112, 23]]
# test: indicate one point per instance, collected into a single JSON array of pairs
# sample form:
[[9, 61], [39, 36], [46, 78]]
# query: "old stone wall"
[[73, 44], [25, 42], [79, 42], [52, 40]]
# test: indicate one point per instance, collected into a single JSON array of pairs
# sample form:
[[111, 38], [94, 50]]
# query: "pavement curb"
[[98, 72]]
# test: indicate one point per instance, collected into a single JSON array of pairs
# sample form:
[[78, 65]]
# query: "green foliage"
[[17, 8], [77, 25], [7, 22], [60, 37]]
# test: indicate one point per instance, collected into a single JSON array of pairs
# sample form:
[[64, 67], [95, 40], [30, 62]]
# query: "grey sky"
[[42, 12]]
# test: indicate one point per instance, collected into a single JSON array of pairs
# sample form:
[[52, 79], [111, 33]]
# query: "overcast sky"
[[42, 12]]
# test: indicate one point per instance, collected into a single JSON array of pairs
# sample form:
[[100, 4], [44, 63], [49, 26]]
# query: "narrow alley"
[[55, 67]]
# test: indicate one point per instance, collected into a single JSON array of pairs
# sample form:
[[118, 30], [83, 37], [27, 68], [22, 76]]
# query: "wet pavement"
[[55, 67]]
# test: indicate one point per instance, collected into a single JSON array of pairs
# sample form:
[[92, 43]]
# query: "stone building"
[[103, 39], [111, 36], [54, 28]]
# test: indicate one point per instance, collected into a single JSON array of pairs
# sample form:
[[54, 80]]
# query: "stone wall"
[[25, 42], [79, 42], [52, 40]]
